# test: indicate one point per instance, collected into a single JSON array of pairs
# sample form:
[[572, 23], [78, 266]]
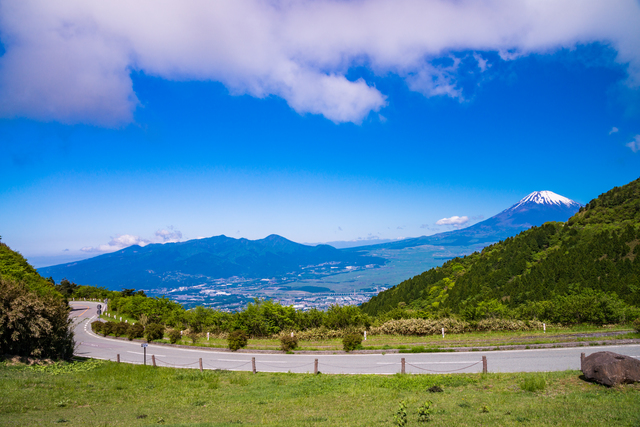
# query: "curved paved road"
[[98, 347]]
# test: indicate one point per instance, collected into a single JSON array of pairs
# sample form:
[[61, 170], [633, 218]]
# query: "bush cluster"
[[321, 333], [453, 326], [154, 331], [237, 340], [352, 341], [174, 336], [118, 329], [288, 342]]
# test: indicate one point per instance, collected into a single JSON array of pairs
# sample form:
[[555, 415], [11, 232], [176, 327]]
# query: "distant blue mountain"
[[533, 210], [197, 261]]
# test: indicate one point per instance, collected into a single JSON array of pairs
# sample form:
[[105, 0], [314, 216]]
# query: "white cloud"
[[168, 236], [70, 60], [613, 130], [455, 221], [117, 243], [122, 241], [635, 144]]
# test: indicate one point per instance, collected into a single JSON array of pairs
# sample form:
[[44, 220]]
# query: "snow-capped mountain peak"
[[546, 198]]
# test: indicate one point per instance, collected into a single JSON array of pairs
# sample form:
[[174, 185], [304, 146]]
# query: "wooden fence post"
[[118, 358], [484, 364], [253, 364], [153, 360], [201, 364], [315, 367], [402, 363]]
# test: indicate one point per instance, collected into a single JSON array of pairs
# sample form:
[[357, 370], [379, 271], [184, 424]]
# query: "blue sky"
[[318, 121]]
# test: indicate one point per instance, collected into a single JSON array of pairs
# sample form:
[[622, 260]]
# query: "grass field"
[[96, 393]]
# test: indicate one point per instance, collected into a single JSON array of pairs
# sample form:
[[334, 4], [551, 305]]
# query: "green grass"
[[111, 394]]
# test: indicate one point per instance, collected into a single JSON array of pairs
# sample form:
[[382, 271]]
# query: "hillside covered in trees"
[[584, 270], [33, 314]]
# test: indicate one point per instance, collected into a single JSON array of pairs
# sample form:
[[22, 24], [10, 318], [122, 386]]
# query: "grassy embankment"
[[128, 395]]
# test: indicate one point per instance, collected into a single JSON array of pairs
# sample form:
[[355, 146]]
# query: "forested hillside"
[[33, 315], [584, 270]]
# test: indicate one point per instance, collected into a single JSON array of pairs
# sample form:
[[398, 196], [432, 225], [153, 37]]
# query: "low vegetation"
[[96, 393]]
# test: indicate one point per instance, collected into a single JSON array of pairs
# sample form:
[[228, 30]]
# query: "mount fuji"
[[533, 210]]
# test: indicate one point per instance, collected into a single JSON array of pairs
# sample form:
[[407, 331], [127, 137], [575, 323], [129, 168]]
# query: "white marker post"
[[442, 332], [544, 327], [365, 335], [291, 334], [207, 336], [144, 346]]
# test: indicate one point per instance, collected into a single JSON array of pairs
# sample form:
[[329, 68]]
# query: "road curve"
[[94, 346]]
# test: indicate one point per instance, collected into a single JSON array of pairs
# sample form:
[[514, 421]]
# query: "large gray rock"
[[609, 368]]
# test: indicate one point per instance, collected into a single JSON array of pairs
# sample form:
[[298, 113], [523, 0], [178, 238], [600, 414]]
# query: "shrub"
[[135, 331], [193, 336], [237, 340], [321, 333], [154, 331], [636, 325], [120, 328], [400, 417], [107, 328], [425, 411], [96, 326], [288, 342], [352, 341], [174, 336]]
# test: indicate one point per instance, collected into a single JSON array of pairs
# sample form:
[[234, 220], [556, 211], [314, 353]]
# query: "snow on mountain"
[[546, 198]]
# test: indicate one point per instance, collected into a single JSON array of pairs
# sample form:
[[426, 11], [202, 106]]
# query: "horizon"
[[249, 119], [344, 244]]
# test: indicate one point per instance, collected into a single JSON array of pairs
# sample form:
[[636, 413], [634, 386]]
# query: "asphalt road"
[[539, 360]]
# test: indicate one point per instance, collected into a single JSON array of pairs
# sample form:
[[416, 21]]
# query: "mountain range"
[[533, 210], [193, 262]]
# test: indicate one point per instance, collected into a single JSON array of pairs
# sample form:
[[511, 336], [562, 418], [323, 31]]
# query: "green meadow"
[[97, 393]]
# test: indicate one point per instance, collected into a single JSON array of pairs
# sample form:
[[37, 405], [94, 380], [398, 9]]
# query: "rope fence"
[[445, 372], [155, 361]]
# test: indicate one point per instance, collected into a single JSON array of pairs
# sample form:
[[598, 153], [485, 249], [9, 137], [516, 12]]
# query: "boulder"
[[607, 368]]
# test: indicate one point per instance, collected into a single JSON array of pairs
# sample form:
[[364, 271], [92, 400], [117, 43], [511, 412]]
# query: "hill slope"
[[594, 253], [192, 262], [533, 210], [33, 315]]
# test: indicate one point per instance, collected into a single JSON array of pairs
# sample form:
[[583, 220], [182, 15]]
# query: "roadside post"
[[144, 346], [544, 327], [402, 362], [484, 364], [365, 335], [442, 332]]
